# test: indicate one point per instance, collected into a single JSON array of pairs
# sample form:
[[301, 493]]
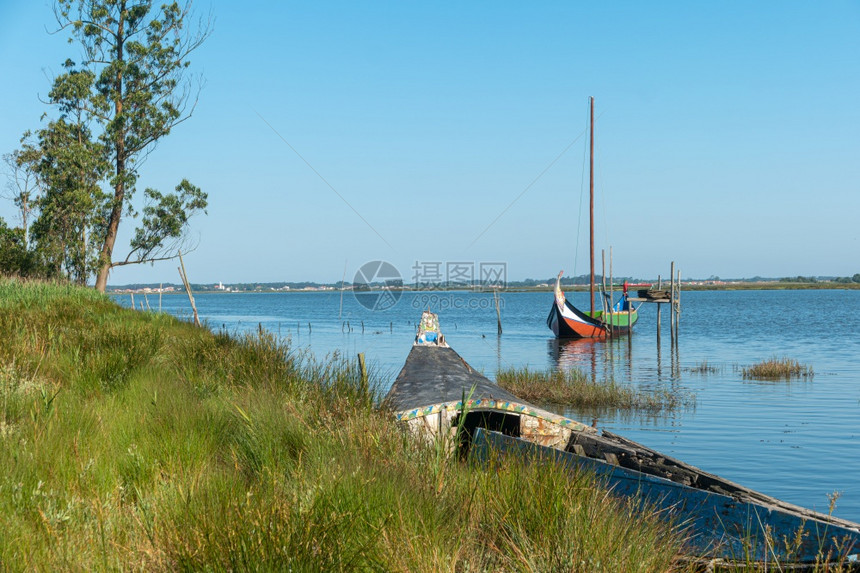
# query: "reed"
[[137, 441], [576, 389], [704, 367], [777, 369]]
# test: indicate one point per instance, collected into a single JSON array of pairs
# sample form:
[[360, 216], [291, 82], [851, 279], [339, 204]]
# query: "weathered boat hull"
[[717, 526], [436, 386]]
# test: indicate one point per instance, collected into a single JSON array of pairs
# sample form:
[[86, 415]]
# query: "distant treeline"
[[802, 279]]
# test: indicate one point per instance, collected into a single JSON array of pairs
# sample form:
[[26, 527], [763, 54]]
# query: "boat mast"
[[591, 206]]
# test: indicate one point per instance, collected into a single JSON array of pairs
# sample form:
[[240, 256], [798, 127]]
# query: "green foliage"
[[165, 218], [68, 165], [15, 259], [127, 93]]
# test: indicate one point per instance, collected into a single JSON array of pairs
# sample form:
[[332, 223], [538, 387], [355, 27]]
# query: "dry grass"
[[777, 369]]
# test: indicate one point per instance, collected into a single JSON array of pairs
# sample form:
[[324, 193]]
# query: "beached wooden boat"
[[437, 392], [726, 526], [436, 385], [567, 321]]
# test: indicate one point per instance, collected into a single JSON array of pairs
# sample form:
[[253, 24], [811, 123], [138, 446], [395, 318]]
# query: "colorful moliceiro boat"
[[567, 321], [437, 393]]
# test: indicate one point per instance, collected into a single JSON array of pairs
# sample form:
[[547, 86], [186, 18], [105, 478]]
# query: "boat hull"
[[567, 321], [570, 322], [715, 526], [436, 386]]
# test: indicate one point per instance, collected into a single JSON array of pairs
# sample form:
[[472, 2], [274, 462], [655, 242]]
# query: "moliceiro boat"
[[567, 321], [439, 396]]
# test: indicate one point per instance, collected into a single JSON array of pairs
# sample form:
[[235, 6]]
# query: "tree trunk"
[[110, 237], [119, 189]]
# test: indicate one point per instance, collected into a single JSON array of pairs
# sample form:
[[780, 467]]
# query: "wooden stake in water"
[[611, 296], [362, 368], [659, 306], [678, 302], [184, 277], [160, 292], [498, 311], [672, 302], [340, 313]]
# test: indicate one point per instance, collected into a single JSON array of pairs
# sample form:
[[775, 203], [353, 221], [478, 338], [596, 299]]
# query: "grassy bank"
[[576, 389], [135, 441]]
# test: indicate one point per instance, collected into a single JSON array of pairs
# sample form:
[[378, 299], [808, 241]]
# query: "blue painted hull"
[[716, 526]]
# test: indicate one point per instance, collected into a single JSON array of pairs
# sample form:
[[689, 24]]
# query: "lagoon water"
[[797, 440]]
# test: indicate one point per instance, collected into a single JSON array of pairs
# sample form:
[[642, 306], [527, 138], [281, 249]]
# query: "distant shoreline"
[[768, 285]]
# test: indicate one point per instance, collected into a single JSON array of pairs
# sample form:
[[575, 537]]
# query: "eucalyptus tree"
[[136, 54], [21, 188], [15, 259], [67, 165]]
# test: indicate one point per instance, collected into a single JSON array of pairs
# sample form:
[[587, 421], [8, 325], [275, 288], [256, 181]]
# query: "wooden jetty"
[[660, 296]]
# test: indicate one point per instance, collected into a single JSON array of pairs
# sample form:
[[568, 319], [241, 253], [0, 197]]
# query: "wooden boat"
[[439, 396], [726, 526], [567, 321], [436, 386]]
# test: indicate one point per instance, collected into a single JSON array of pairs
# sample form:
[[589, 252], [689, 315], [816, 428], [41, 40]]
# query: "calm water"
[[798, 441]]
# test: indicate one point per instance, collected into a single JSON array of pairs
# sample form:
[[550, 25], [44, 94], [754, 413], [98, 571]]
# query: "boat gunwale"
[[492, 404]]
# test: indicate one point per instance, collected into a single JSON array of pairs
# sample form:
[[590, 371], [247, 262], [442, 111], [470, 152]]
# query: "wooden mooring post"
[[661, 297], [671, 299], [498, 311], [659, 307]]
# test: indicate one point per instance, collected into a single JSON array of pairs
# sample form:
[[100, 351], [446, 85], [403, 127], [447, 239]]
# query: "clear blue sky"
[[728, 135]]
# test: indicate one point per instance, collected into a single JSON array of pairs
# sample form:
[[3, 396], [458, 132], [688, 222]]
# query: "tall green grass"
[[574, 388], [132, 440]]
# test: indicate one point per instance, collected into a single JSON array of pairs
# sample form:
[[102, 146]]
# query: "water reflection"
[[569, 354], [674, 360], [600, 359], [605, 360]]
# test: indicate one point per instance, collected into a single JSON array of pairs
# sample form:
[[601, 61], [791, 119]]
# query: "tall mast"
[[591, 206]]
